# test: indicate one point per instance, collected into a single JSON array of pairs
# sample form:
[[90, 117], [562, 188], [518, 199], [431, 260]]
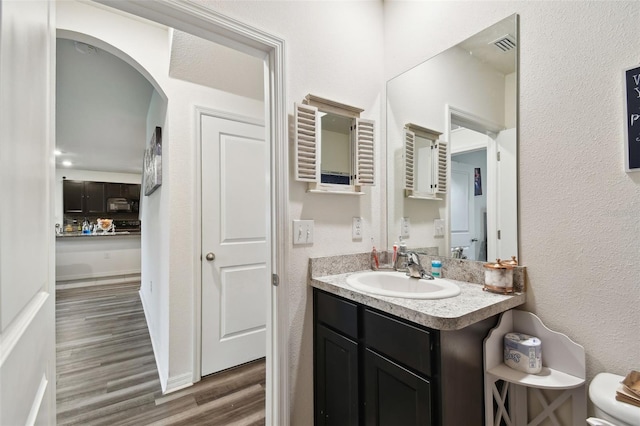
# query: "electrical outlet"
[[356, 228], [405, 227], [302, 232], [150, 286], [438, 227]]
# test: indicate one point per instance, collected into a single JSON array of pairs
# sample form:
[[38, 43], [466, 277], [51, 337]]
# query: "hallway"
[[106, 372]]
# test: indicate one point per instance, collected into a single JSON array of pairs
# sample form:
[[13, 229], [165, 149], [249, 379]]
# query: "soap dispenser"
[[401, 259]]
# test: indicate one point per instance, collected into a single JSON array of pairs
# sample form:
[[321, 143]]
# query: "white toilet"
[[602, 393]]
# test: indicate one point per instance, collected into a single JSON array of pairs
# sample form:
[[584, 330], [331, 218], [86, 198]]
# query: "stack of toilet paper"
[[523, 352]]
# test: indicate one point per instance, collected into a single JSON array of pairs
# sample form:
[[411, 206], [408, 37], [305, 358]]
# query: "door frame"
[[211, 25], [491, 129]]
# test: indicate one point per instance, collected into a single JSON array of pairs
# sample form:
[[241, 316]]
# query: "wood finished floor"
[[107, 375]]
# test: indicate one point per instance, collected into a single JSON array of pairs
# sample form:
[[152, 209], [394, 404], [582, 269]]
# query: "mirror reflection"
[[468, 96], [335, 150]]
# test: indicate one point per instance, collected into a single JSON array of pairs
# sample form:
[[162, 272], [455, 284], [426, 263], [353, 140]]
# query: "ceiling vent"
[[505, 43]]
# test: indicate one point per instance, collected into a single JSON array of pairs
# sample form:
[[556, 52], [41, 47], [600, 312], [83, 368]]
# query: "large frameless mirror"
[[468, 95]]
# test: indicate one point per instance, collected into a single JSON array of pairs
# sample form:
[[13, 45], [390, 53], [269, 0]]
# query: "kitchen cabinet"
[[83, 197], [403, 373], [122, 190], [73, 196], [94, 197]]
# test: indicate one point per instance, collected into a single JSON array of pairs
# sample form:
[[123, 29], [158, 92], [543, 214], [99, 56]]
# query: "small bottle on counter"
[[436, 268]]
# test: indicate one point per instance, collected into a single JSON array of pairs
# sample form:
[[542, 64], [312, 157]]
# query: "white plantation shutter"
[[364, 158], [307, 143], [441, 169], [409, 163]]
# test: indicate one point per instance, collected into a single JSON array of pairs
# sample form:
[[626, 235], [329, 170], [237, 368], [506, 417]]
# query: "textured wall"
[[334, 51], [579, 211]]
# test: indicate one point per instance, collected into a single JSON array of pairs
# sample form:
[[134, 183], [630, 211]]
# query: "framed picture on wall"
[[477, 181], [632, 118], [152, 168]]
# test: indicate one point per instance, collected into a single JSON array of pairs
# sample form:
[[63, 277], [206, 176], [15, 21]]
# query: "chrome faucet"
[[415, 268]]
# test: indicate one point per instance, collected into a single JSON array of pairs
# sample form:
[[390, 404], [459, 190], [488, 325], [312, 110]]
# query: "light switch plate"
[[356, 228], [302, 232], [438, 227], [405, 227]]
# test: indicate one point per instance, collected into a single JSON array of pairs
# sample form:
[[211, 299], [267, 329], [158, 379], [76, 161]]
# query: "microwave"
[[118, 205]]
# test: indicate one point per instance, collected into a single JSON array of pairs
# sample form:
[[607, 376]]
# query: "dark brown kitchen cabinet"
[[373, 368], [129, 191], [73, 196], [83, 197], [94, 197]]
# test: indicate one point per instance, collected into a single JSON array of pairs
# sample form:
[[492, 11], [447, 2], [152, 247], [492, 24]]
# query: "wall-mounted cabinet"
[[90, 198], [83, 197], [425, 159], [334, 147], [122, 190]]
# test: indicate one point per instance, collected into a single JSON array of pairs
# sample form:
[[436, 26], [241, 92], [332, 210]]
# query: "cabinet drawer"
[[337, 313], [399, 341]]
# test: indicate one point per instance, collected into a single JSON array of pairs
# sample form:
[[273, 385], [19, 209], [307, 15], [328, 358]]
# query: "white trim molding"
[[201, 21]]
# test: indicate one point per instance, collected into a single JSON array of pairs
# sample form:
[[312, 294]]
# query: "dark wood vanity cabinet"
[[372, 368]]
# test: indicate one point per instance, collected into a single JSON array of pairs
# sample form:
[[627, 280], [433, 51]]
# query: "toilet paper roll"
[[523, 352]]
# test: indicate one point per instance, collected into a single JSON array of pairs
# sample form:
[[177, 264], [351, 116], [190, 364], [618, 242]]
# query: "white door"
[[235, 250], [27, 283], [507, 195], [462, 208]]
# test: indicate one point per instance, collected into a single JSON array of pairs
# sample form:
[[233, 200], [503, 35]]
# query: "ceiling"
[[101, 109], [102, 102], [482, 48]]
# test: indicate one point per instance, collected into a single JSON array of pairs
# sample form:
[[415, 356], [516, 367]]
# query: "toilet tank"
[[602, 393]]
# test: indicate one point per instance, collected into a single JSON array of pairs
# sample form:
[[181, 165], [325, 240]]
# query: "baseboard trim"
[[161, 373], [179, 382], [103, 280]]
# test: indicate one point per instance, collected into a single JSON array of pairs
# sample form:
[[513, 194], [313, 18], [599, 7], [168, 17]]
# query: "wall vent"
[[505, 43]]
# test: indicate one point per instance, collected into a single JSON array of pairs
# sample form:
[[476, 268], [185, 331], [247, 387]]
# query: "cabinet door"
[[113, 190], [336, 379], [73, 196], [131, 191], [94, 197], [394, 395]]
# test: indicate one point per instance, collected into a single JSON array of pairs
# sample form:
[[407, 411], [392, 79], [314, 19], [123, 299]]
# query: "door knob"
[[474, 240], [210, 256]]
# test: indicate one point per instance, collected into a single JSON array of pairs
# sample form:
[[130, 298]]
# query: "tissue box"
[[523, 352]]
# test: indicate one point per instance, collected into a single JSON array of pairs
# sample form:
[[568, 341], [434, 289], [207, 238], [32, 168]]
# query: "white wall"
[[579, 211], [169, 301], [94, 258]]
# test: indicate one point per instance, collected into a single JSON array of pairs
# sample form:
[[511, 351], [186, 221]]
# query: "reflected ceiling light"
[[57, 152], [67, 163]]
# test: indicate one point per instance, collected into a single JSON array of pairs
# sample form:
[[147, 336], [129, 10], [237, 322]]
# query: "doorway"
[[209, 25]]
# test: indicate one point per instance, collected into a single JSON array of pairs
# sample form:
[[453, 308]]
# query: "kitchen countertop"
[[109, 234], [454, 313]]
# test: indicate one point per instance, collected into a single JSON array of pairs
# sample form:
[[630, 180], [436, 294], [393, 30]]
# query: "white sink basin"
[[398, 284]]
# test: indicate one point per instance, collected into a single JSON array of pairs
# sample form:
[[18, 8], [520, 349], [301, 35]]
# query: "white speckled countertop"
[[472, 305]]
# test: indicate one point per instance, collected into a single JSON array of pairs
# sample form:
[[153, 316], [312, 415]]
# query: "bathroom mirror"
[[335, 151], [468, 94]]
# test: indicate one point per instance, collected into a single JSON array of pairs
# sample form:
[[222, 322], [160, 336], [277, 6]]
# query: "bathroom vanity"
[[388, 361]]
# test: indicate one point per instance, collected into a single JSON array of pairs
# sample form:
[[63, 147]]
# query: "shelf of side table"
[[563, 369]]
